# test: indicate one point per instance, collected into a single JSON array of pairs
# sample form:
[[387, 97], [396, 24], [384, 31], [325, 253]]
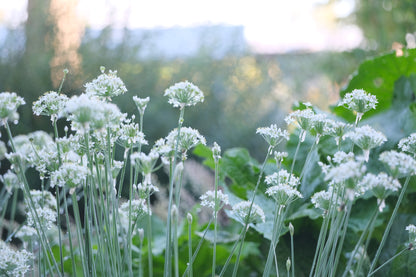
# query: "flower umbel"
[[359, 101], [240, 210], [50, 104], [9, 102], [184, 94], [399, 164], [106, 85], [273, 135], [208, 199], [408, 144]]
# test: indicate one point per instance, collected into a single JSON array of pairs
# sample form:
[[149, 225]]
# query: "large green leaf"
[[378, 76]]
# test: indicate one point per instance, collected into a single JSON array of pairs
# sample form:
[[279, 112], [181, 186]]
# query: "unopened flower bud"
[[189, 217], [288, 264], [291, 229]]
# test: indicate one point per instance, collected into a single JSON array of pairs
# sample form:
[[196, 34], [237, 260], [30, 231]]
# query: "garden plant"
[[337, 202]]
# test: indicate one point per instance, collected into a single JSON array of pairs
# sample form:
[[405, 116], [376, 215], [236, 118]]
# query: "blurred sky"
[[269, 25]]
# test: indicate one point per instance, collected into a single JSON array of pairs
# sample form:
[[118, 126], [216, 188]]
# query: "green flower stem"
[[320, 243], [388, 261], [239, 240], [246, 223], [370, 233], [129, 232], [123, 172], [79, 232], [175, 245], [167, 265], [198, 247], [307, 160], [14, 205], [341, 242], [149, 240], [292, 251], [296, 152], [216, 208], [333, 233], [71, 248], [276, 226], [390, 223], [26, 192], [190, 249], [140, 258], [4, 205], [363, 234]]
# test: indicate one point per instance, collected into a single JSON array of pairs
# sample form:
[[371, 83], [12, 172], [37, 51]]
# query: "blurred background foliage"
[[244, 90]]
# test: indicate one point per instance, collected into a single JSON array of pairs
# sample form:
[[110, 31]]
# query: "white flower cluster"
[[322, 199], [241, 211], [412, 236], [45, 209], [337, 129], [381, 185], [141, 103], [70, 174], [398, 163], [208, 200], [184, 94], [139, 209], [304, 118], [145, 163], [347, 169], [90, 113], [106, 86], [359, 101], [408, 144], [130, 135], [188, 139], [14, 262], [273, 135], [283, 187], [10, 181], [216, 152], [366, 137], [9, 102], [50, 104]]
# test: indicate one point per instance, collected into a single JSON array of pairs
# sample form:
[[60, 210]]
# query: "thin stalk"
[[341, 243], [296, 152], [140, 258], [14, 205], [190, 249], [129, 232], [214, 250], [242, 233], [320, 243], [198, 246], [363, 234], [388, 261], [71, 248], [308, 157], [271, 254], [292, 251], [246, 224], [149, 239], [79, 232], [26, 191], [168, 253], [390, 223]]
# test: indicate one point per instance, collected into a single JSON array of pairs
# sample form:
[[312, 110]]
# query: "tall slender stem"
[[214, 250], [390, 223], [168, 254]]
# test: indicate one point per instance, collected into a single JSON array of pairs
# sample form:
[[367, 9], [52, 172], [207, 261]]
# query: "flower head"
[[282, 178], [50, 104], [381, 185], [70, 174], [188, 139], [130, 135], [90, 113], [273, 135], [10, 181], [412, 236], [322, 199], [408, 144], [359, 101], [241, 211], [139, 209], [106, 85], [216, 152], [208, 200], [184, 94], [399, 164], [141, 103], [9, 102], [283, 194], [366, 138], [14, 262], [304, 118]]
